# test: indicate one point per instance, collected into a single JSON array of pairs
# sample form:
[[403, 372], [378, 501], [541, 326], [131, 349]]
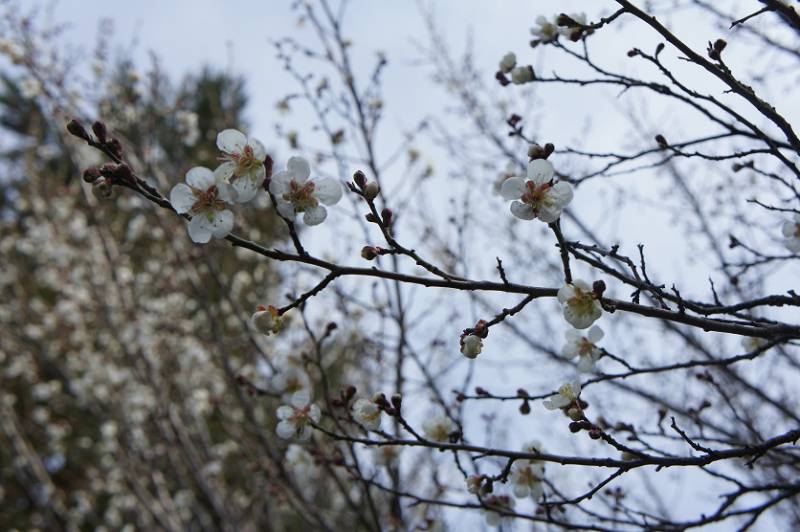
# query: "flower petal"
[[222, 223], [200, 228], [301, 398], [327, 190], [540, 171], [561, 194], [200, 177], [585, 364], [512, 188], [299, 168], [522, 211], [182, 198], [259, 151], [246, 188], [224, 172], [279, 184], [231, 141], [595, 334], [285, 430], [286, 209], [284, 412], [315, 216]]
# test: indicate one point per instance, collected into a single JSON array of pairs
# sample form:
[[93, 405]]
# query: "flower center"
[[301, 196], [245, 162], [536, 196], [207, 200], [585, 347], [300, 416], [582, 302]]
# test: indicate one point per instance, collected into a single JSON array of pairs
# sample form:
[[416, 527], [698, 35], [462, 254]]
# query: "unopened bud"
[[525, 408], [386, 214], [76, 128], [350, 391], [360, 179], [91, 174], [397, 401], [115, 147], [99, 130], [594, 434], [371, 218], [661, 141], [369, 252], [598, 287], [371, 190]]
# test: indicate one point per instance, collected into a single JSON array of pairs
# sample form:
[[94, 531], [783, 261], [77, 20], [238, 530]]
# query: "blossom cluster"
[[207, 194]]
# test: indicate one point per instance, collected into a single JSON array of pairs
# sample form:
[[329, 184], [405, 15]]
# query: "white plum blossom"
[[205, 199], [584, 347], [301, 463], [30, 87], [521, 75], [503, 503], [545, 30], [474, 483], [187, 126], [438, 428], [471, 346], [242, 163], [572, 32], [266, 320], [508, 62], [367, 414], [296, 193], [791, 231], [296, 418], [537, 196], [581, 307], [526, 479], [752, 343], [291, 380], [567, 394], [386, 455]]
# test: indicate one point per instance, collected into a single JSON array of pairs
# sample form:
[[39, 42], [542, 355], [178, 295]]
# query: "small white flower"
[[242, 163], [581, 308], [791, 231], [572, 33], [300, 462], [521, 75], [537, 197], [296, 419], [502, 503], [367, 414], [545, 30], [291, 381], [474, 483], [296, 193], [386, 455], [526, 479], [30, 87], [205, 199], [187, 126], [751, 343], [508, 62], [471, 346], [266, 320], [584, 347], [438, 428], [567, 394]]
